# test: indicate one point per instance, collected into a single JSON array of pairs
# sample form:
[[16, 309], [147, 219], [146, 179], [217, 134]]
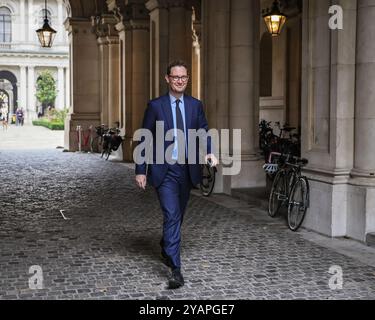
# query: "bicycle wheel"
[[278, 194], [108, 150], [298, 203], [208, 180], [105, 146]]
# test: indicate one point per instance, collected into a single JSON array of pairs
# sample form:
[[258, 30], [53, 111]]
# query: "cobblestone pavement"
[[107, 247]]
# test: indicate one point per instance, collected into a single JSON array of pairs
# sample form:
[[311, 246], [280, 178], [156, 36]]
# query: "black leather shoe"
[[166, 260], [177, 280]]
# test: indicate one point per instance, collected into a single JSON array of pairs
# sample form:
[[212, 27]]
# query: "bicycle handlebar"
[[299, 161]]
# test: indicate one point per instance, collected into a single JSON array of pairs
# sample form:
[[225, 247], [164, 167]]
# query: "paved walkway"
[[30, 137], [105, 244]]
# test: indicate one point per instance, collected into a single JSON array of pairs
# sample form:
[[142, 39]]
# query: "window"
[[5, 25], [42, 15]]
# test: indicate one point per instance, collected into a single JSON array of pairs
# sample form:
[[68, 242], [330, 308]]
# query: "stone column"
[[215, 72], [244, 89], [328, 101], [85, 85], [294, 66], [23, 88], [31, 26], [22, 21], [135, 79], [60, 89], [196, 56], [31, 101], [113, 80], [180, 21], [109, 48], [104, 63], [159, 45], [364, 155], [60, 35], [122, 87], [171, 38], [67, 88], [361, 211], [140, 71]]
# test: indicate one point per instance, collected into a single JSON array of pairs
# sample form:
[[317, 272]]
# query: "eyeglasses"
[[177, 78]]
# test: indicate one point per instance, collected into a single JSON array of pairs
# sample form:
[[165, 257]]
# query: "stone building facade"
[[318, 79], [21, 57]]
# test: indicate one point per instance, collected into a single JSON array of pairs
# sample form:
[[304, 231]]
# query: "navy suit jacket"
[[160, 110]]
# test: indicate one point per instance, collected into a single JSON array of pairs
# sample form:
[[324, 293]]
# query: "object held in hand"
[[209, 162]]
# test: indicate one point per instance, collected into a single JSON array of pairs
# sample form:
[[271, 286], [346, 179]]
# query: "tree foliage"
[[46, 92]]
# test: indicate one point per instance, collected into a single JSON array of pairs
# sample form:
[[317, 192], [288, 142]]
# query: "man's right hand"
[[141, 181]]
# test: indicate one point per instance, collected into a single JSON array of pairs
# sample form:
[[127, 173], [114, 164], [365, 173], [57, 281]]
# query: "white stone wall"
[[24, 56]]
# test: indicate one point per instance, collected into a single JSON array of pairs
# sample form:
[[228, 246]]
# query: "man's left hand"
[[214, 161]]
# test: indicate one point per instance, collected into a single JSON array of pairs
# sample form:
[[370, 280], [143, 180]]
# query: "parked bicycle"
[[208, 179], [111, 141], [97, 141], [289, 188]]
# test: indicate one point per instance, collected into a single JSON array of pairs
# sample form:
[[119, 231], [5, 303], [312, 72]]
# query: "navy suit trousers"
[[173, 195]]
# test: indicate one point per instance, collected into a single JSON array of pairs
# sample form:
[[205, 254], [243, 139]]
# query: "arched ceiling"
[[86, 8]]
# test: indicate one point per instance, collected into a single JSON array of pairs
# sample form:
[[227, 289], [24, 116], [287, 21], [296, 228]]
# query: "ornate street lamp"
[[46, 34], [274, 19]]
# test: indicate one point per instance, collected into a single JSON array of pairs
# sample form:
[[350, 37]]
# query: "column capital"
[[102, 40], [138, 25], [111, 40], [133, 15], [126, 10], [166, 4], [117, 8], [197, 28], [120, 27], [187, 4], [151, 5], [77, 25], [104, 25], [137, 11]]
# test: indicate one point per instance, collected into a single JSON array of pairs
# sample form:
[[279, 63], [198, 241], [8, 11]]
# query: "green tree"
[[46, 92]]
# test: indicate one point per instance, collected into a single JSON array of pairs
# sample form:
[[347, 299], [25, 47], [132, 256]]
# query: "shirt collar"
[[173, 99]]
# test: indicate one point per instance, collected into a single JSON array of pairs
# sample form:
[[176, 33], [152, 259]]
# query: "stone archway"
[[12, 80]]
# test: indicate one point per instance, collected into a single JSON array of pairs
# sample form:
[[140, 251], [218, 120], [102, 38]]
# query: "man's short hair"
[[176, 63]]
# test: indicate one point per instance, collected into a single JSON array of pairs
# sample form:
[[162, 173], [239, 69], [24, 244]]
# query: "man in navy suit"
[[174, 181]]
